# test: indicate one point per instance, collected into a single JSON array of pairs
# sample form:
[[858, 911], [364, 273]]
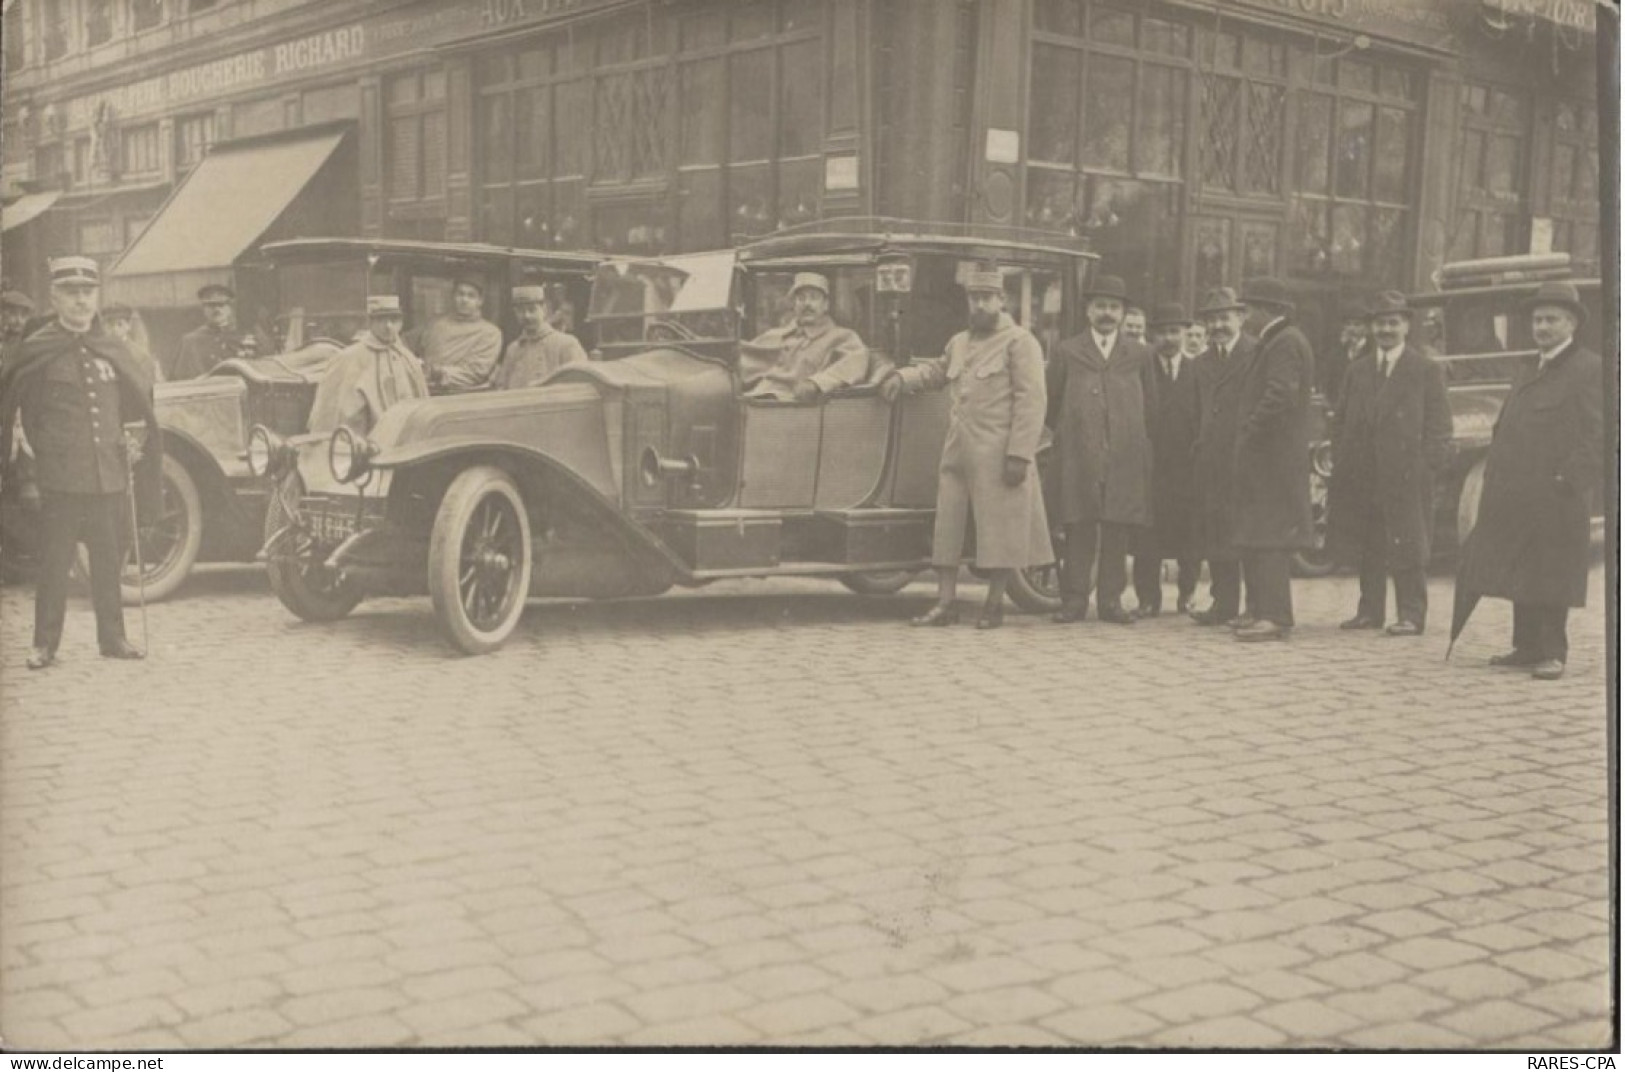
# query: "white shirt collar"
[[1104, 343]]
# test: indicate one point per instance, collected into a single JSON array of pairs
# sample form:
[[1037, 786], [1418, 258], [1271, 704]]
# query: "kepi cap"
[[383, 305], [984, 277], [814, 280], [210, 293], [529, 295], [74, 269]]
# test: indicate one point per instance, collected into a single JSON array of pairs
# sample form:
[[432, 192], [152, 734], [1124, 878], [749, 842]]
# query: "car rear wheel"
[[295, 563], [1472, 492], [479, 560], [879, 582], [169, 542], [1315, 561]]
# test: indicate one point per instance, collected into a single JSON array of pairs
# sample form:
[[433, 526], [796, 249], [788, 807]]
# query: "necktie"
[[1168, 367]]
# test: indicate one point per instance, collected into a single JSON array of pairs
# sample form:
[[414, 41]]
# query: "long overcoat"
[[1532, 540], [996, 382], [1218, 399], [1390, 435], [1272, 508], [1175, 417], [1099, 410]]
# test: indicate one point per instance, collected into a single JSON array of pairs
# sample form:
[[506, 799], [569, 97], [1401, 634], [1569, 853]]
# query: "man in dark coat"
[[1218, 386], [1174, 419], [217, 339], [1390, 435], [74, 386], [1101, 393], [1532, 540], [1352, 339], [1272, 512]]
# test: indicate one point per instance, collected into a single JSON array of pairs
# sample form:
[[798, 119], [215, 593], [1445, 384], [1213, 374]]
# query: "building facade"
[[1348, 145]]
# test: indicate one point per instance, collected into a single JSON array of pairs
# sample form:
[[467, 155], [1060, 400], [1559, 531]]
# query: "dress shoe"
[[1067, 615], [1547, 670], [1146, 612], [122, 649], [1116, 616], [1183, 606], [991, 617], [1208, 617], [1404, 628], [1361, 621], [1515, 659], [40, 658], [1242, 621], [1258, 632], [940, 615]]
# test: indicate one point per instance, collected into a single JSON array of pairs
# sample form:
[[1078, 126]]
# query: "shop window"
[[415, 144], [629, 124], [98, 22], [140, 152], [1493, 188], [146, 14], [56, 28], [1243, 92], [1575, 206], [193, 136]]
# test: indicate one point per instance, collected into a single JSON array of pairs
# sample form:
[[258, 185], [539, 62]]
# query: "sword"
[[135, 538]]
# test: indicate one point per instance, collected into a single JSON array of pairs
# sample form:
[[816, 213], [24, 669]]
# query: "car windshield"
[[675, 299]]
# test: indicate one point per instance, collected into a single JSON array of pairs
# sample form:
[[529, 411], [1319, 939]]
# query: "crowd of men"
[[1174, 438]]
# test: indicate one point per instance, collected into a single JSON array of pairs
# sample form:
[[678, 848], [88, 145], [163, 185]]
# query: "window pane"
[[1394, 82], [1157, 35], [1492, 235], [1358, 76], [536, 62], [403, 158], [572, 99], [1506, 108], [1393, 154], [752, 19], [434, 85], [144, 14], [496, 138], [1348, 239], [569, 215], [493, 69], [98, 24], [1263, 57], [1314, 143], [1354, 149], [1472, 159], [1221, 131], [801, 99], [1058, 16], [403, 89], [1211, 245], [750, 105], [1563, 159], [533, 224], [496, 215], [699, 210], [1464, 239], [1054, 103], [702, 29], [1109, 82], [1222, 48], [1309, 237], [750, 200], [798, 191], [1258, 242], [1585, 177], [1112, 27], [1501, 170], [1266, 116], [700, 97], [1162, 119], [534, 133], [1050, 203], [434, 154], [1386, 265]]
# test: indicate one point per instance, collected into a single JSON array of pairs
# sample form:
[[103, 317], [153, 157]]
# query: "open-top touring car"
[[650, 466]]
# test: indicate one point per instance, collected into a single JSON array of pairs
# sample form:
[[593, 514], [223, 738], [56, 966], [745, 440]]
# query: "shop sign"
[[1427, 24], [1568, 14]]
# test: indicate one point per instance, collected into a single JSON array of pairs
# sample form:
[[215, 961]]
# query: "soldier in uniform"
[[1174, 416], [216, 340], [370, 375], [1218, 383], [541, 349], [995, 373], [74, 387], [461, 349], [812, 356]]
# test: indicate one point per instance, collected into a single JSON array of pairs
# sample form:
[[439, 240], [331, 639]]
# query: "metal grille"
[[1265, 120], [1221, 130]]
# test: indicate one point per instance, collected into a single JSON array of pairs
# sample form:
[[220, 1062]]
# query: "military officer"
[[370, 375], [995, 374], [1101, 393], [812, 356], [1174, 417], [1531, 544], [1218, 385], [1390, 435], [74, 387], [541, 349], [1272, 515], [216, 340]]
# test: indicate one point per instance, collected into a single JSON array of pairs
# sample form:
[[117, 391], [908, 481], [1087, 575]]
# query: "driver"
[[812, 356], [541, 349], [370, 375], [461, 348]]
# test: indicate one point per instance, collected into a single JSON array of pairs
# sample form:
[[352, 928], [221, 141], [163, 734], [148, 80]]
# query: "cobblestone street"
[[770, 813]]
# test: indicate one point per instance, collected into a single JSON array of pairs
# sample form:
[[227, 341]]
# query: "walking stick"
[[135, 539]]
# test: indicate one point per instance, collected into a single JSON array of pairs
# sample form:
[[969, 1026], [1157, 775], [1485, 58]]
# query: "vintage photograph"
[[945, 524]]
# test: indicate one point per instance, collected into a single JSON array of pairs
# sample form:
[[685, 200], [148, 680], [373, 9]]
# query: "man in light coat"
[[460, 349], [1272, 515], [811, 357], [1390, 435], [541, 349], [1531, 544], [1101, 393], [995, 373], [370, 375]]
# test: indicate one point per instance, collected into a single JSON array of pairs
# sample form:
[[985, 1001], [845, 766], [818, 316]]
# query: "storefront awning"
[[26, 208], [221, 209]]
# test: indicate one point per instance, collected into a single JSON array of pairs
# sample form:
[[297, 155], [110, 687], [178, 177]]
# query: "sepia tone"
[[567, 672]]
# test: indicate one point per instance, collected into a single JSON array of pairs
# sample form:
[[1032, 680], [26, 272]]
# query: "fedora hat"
[[1266, 291], [1389, 303], [1107, 286], [1168, 312], [1563, 295], [1220, 300]]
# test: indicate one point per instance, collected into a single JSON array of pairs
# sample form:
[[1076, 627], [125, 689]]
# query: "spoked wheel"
[[878, 583], [1037, 590], [479, 560], [169, 542], [1315, 561], [296, 565]]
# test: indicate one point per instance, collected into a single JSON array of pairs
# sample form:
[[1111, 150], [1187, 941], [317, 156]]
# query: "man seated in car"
[[370, 375], [541, 349], [811, 356], [460, 349]]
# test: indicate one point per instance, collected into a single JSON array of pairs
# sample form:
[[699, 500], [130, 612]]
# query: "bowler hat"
[[1558, 293], [1389, 303], [1220, 300], [1169, 312], [383, 305], [214, 292], [1107, 286], [1266, 291]]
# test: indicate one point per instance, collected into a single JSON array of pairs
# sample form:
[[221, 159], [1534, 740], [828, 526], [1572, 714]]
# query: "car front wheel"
[[479, 560], [295, 563], [879, 582], [168, 543]]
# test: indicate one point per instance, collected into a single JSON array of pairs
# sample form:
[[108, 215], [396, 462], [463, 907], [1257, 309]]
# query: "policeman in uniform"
[[541, 349], [215, 341], [74, 386]]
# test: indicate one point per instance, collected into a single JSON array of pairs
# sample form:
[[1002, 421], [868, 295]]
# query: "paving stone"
[[1102, 1025], [1200, 1001]]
